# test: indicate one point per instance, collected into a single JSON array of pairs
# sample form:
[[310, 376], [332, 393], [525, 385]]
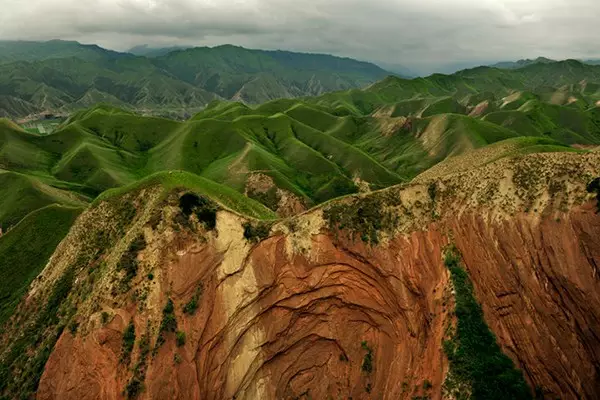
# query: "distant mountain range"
[[147, 51], [65, 76], [539, 60], [522, 63]]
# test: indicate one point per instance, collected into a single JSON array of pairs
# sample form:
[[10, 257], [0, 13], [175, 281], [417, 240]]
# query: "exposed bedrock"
[[274, 322]]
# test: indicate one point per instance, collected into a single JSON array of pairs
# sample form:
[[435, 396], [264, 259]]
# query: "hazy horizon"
[[437, 36]]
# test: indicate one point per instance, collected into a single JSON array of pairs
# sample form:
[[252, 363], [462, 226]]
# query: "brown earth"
[[282, 325], [262, 188], [537, 280], [295, 315]]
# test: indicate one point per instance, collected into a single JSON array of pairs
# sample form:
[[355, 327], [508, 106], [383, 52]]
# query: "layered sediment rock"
[[313, 311]]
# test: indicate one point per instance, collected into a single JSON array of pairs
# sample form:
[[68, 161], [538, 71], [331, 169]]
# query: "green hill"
[[23, 50], [309, 150], [25, 250], [61, 76], [267, 161]]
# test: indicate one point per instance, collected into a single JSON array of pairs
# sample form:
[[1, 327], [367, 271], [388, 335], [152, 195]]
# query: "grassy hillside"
[[308, 150], [25, 250], [223, 195], [22, 194], [235, 72], [315, 148], [63, 76]]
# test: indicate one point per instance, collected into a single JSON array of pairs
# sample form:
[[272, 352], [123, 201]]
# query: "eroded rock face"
[[274, 324], [297, 314], [537, 280]]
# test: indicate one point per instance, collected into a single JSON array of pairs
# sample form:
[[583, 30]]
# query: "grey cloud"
[[421, 34]]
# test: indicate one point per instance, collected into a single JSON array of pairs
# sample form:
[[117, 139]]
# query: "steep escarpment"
[[182, 298], [537, 280], [259, 320]]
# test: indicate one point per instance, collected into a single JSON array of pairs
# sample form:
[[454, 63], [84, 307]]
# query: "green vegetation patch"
[[180, 338], [168, 323], [270, 198], [35, 327], [136, 383], [256, 231], [204, 209], [129, 263], [128, 342], [191, 306], [367, 364], [476, 360], [173, 180], [25, 250], [365, 216], [594, 187], [20, 372]]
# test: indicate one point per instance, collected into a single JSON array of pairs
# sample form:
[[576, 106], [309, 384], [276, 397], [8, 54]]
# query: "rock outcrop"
[[313, 311]]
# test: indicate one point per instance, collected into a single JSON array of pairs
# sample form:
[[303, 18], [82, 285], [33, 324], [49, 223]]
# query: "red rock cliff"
[[300, 314]]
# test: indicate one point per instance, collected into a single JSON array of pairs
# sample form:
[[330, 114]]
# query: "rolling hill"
[[291, 154], [62, 76]]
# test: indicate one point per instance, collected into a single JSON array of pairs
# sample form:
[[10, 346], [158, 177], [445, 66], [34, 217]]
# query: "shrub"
[[73, 326], [168, 324], [205, 209], [594, 186], [180, 338], [129, 263], [269, 198], [257, 231], [134, 387], [192, 305], [128, 342], [365, 216], [135, 384], [104, 317], [432, 190], [367, 364]]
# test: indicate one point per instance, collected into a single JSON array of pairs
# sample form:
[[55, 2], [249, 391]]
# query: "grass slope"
[[306, 148], [25, 250], [22, 194], [225, 196]]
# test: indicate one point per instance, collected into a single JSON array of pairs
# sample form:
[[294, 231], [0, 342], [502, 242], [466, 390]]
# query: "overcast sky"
[[420, 34]]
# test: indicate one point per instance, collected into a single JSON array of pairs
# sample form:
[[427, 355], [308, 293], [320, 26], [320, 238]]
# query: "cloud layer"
[[422, 34]]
